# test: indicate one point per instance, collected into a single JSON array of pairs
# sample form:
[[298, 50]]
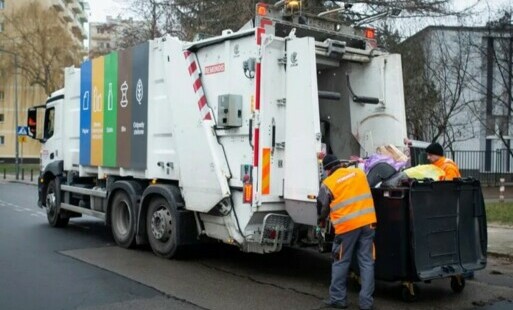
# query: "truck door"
[[374, 125], [302, 132], [51, 150]]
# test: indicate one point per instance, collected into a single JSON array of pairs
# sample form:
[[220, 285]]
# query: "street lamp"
[[17, 160]]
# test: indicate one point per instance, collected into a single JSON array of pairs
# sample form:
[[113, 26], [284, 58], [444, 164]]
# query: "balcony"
[[67, 16], [58, 5], [78, 31], [76, 7], [82, 17]]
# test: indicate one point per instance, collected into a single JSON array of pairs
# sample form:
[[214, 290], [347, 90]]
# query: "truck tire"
[[52, 202], [161, 227], [122, 220]]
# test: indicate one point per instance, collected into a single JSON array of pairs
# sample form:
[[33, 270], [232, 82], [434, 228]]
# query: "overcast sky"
[[101, 8]]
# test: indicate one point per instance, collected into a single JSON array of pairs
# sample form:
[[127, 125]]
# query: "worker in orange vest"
[[346, 197], [435, 154]]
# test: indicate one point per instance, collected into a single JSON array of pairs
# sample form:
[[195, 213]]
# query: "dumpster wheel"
[[457, 284], [410, 292], [355, 281]]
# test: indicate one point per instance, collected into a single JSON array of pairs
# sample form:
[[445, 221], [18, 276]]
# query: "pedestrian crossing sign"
[[22, 130]]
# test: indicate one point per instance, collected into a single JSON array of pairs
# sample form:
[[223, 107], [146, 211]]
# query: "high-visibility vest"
[[449, 167], [352, 206]]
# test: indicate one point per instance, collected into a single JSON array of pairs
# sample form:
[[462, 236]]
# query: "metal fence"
[[487, 166]]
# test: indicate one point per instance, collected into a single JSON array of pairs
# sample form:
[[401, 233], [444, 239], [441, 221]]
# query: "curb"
[[501, 255], [22, 182]]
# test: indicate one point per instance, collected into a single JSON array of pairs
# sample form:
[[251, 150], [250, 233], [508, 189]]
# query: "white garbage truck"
[[169, 141]]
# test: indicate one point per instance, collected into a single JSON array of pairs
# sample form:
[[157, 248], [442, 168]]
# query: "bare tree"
[[494, 110], [42, 43], [439, 66], [149, 19], [211, 17]]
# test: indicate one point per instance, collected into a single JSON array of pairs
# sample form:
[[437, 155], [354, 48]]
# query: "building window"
[[2, 4], [2, 140], [2, 95], [2, 117]]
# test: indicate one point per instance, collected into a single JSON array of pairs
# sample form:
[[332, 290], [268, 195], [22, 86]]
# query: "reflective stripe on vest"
[[354, 215], [349, 201]]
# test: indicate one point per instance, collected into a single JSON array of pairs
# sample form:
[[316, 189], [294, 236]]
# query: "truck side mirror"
[[35, 117], [32, 122]]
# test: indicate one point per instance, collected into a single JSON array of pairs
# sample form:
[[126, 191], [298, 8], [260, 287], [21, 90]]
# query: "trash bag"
[[379, 158], [425, 172], [380, 172]]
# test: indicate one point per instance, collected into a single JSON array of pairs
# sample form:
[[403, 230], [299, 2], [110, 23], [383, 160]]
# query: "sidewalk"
[[500, 237], [12, 178], [500, 240]]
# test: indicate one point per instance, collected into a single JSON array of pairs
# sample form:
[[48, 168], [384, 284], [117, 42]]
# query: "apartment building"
[[108, 36], [104, 36], [470, 68], [73, 16]]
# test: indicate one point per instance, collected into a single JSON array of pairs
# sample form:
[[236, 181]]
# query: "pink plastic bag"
[[378, 158]]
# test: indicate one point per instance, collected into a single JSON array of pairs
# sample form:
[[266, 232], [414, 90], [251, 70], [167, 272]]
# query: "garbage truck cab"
[[172, 141]]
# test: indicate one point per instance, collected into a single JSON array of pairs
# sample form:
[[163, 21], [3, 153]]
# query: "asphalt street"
[[79, 267], [35, 275]]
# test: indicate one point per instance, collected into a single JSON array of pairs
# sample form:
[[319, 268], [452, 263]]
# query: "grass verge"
[[500, 212], [11, 168]]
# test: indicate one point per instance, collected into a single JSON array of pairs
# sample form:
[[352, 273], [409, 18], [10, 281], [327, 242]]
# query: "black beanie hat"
[[435, 149], [329, 161]]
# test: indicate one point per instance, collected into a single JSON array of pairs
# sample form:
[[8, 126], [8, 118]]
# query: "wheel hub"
[[161, 224], [50, 202]]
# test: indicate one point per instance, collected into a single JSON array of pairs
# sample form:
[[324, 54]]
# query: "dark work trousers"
[[359, 240]]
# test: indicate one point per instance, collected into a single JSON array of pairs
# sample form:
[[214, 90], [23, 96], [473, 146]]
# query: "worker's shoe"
[[334, 305]]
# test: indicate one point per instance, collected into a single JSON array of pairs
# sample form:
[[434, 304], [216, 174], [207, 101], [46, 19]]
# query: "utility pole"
[[17, 154]]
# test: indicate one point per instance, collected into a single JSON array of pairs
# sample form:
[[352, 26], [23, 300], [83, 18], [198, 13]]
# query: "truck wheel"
[[457, 284], [407, 295], [161, 227], [52, 202], [122, 220]]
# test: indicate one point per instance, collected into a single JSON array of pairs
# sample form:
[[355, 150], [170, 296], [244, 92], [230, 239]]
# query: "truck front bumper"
[[40, 190]]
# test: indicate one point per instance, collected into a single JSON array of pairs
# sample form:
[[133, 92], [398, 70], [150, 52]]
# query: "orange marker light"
[[370, 33], [261, 9], [293, 4], [247, 193]]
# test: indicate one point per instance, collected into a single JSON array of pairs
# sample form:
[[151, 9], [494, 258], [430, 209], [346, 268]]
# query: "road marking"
[[21, 209]]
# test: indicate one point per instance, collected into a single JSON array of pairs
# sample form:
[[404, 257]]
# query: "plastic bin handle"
[[398, 194]]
